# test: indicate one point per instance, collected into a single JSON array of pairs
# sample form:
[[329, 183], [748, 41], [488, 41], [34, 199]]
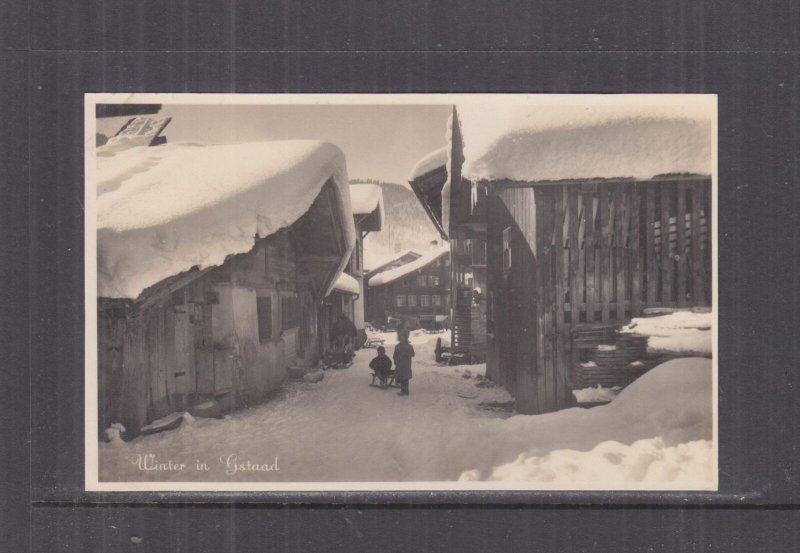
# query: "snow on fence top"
[[162, 210], [366, 198], [609, 137], [432, 161], [346, 283], [393, 274]]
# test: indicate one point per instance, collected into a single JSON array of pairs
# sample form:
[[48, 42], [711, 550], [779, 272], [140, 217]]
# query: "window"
[[290, 314], [436, 300], [433, 280], [264, 310], [507, 250], [425, 300], [479, 253], [421, 280], [400, 301], [412, 301], [447, 261]]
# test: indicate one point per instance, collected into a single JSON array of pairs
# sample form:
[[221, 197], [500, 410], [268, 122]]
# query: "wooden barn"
[[591, 215], [211, 274], [417, 291]]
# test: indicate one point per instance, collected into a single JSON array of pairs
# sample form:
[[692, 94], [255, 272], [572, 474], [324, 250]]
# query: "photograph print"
[[401, 292]]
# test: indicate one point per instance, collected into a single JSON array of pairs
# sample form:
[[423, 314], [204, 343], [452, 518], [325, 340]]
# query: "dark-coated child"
[[403, 352], [381, 365]]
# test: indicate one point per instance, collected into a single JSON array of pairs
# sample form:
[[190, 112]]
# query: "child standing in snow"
[[403, 352], [382, 366]]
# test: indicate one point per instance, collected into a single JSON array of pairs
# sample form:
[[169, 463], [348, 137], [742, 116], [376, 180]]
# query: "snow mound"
[[433, 160], [596, 395], [610, 463], [605, 137], [671, 403], [346, 283], [366, 198], [162, 210], [393, 274], [680, 332]]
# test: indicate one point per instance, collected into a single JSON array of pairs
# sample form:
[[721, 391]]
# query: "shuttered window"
[[264, 308]]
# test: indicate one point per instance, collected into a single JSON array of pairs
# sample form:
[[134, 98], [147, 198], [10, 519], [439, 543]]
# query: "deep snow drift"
[[162, 210], [343, 430]]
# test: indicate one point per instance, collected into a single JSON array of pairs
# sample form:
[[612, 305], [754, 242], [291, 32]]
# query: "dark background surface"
[[745, 52]]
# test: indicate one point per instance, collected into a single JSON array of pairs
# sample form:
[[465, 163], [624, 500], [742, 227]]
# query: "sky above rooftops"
[[380, 142]]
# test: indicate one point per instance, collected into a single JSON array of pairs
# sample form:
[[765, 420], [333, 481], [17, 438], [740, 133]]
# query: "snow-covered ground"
[[656, 432]]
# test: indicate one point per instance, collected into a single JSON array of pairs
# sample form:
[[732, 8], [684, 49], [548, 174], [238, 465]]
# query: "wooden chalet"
[[458, 211], [222, 336], [569, 257], [348, 294], [417, 291]]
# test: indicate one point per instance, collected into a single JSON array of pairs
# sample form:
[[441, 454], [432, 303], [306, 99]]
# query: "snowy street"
[[343, 430]]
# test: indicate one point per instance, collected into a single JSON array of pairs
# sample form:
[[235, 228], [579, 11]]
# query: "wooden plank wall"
[[606, 251]]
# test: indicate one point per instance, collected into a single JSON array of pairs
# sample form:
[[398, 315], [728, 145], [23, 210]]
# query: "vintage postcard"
[[401, 292]]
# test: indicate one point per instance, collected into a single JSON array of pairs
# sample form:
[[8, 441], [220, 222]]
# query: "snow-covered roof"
[[391, 275], [346, 283], [432, 161], [377, 261], [162, 210], [365, 199], [600, 137]]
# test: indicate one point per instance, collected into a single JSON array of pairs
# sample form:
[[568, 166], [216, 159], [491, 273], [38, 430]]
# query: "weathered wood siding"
[[201, 340], [600, 252]]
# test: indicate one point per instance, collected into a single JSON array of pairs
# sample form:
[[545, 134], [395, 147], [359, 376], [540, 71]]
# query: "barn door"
[[204, 348]]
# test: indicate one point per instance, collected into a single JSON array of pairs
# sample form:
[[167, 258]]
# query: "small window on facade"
[[400, 301], [436, 300], [290, 314], [421, 280], [264, 309], [447, 261], [425, 300], [433, 280], [412, 301], [507, 250], [479, 253]]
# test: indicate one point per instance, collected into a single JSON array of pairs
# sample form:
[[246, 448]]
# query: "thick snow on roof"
[[374, 260], [393, 274], [430, 162], [162, 210], [346, 283], [366, 198], [601, 137]]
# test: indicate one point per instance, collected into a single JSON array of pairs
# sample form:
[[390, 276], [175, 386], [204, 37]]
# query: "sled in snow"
[[384, 383]]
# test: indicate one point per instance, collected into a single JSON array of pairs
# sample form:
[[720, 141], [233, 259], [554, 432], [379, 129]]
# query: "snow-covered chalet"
[[348, 294], [569, 221], [212, 264], [413, 287]]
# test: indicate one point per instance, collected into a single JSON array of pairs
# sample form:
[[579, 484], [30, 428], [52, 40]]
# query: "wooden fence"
[[607, 250]]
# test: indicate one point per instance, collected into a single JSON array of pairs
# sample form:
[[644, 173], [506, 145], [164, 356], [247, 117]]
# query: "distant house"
[[589, 214], [417, 291], [348, 295], [210, 273]]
